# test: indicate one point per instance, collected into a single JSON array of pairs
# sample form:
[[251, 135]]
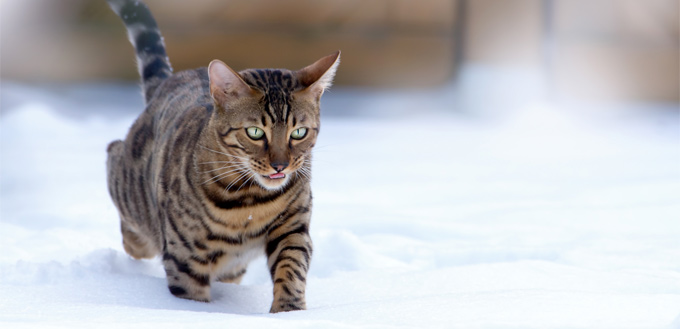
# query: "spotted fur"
[[191, 186]]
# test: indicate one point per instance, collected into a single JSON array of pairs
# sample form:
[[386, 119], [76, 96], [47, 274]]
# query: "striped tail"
[[152, 61]]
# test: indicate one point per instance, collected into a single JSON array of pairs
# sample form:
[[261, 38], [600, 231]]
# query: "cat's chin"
[[273, 182]]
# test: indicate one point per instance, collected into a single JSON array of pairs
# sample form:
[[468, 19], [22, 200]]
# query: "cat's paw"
[[199, 295], [287, 306]]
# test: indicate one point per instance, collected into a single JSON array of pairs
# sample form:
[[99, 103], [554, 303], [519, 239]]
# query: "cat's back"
[[173, 119], [160, 142], [181, 94]]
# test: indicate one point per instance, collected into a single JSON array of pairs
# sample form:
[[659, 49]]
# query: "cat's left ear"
[[319, 76]]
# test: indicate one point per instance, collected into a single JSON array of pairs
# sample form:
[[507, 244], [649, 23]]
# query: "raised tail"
[[152, 60]]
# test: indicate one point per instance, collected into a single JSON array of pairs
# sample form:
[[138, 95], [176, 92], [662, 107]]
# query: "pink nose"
[[279, 166]]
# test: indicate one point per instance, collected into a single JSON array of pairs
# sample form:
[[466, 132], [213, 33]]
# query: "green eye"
[[255, 133], [298, 133]]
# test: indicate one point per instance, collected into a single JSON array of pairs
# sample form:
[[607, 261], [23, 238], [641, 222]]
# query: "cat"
[[216, 170]]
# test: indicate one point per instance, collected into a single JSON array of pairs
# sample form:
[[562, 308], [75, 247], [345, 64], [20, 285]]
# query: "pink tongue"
[[277, 175]]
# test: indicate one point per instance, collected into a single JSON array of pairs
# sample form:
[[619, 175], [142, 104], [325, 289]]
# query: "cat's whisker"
[[212, 162], [218, 177], [315, 150], [304, 171], [225, 167], [243, 174], [321, 149], [251, 176], [309, 161], [218, 152], [299, 175]]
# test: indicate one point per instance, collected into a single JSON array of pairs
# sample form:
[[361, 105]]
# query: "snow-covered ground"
[[432, 209]]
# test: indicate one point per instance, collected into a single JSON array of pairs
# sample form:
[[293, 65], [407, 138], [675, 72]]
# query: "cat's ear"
[[319, 76], [226, 83]]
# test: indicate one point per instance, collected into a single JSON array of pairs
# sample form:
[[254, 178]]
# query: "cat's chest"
[[247, 220]]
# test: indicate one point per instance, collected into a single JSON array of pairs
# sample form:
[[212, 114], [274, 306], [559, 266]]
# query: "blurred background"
[[592, 50]]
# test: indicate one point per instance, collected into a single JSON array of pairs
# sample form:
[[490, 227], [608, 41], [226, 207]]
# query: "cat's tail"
[[152, 61]]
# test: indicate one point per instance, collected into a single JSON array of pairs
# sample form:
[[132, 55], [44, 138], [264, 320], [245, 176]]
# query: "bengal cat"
[[216, 170]]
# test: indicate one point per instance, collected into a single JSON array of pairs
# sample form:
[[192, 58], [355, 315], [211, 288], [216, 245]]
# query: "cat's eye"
[[298, 133], [255, 133]]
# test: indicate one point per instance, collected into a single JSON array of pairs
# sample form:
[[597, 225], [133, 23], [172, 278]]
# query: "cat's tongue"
[[277, 175]]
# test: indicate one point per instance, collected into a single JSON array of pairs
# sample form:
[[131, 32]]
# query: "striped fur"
[[192, 187]]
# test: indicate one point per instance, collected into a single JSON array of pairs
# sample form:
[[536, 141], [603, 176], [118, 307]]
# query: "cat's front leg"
[[289, 250], [184, 279]]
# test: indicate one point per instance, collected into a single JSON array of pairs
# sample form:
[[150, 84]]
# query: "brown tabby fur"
[[191, 186]]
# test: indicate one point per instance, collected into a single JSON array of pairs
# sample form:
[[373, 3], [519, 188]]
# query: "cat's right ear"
[[225, 83]]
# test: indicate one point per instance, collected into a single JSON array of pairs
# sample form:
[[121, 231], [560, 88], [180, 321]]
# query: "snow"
[[432, 209]]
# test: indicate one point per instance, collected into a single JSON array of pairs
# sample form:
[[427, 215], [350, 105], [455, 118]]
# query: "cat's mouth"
[[276, 176], [273, 181]]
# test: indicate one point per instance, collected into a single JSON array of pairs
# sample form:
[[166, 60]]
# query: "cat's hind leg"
[[135, 242]]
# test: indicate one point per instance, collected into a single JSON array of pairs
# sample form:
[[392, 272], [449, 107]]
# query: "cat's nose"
[[279, 166]]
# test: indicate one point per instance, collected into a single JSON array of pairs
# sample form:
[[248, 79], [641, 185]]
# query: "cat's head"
[[267, 120]]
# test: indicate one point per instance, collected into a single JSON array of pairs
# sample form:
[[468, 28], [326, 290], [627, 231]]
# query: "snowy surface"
[[432, 210]]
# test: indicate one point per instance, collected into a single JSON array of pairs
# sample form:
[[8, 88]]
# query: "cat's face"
[[268, 120], [273, 141]]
